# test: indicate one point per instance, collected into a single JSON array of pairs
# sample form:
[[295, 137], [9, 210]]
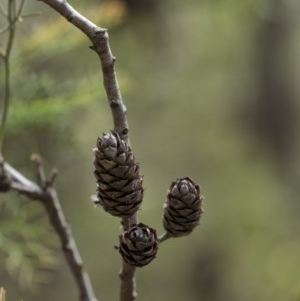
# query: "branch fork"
[[44, 192]]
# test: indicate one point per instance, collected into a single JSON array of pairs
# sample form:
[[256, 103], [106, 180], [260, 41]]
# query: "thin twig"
[[40, 173], [2, 53], [52, 177], [19, 11], [4, 29], [99, 38], [47, 195], [163, 237], [128, 284], [19, 17], [58, 220], [29, 15], [18, 179], [3, 11], [8, 26], [12, 15]]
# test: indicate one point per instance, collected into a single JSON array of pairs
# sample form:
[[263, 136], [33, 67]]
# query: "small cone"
[[139, 245], [120, 190], [183, 207]]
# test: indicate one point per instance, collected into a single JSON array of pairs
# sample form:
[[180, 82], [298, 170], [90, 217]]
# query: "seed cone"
[[139, 245], [120, 190], [183, 207]]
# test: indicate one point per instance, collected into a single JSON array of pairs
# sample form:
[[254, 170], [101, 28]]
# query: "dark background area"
[[212, 93]]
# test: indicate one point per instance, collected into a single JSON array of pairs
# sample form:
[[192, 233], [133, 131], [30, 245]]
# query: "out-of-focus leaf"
[[27, 248], [105, 14], [49, 110]]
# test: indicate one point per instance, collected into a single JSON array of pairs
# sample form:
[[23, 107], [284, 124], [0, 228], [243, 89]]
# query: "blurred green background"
[[212, 91]]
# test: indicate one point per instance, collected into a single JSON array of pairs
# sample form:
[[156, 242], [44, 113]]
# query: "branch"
[[58, 220], [163, 237], [46, 194], [128, 284], [99, 38], [3, 11]]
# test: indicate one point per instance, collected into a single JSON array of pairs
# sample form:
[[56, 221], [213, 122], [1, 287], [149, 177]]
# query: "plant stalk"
[[13, 15]]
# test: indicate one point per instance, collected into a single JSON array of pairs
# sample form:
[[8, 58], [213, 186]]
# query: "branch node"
[[70, 18], [114, 104], [99, 31]]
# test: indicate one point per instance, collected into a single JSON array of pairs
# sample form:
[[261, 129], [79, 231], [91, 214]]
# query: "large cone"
[[139, 245], [120, 190], [183, 207]]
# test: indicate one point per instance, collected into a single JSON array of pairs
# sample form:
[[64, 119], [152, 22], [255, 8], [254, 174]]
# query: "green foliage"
[[26, 244], [46, 94], [191, 71], [45, 91], [52, 109]]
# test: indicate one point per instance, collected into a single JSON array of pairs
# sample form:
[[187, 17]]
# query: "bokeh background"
[[212, 92]]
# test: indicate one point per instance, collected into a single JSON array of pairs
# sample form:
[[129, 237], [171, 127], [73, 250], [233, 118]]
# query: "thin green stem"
[[3, 11], [20, 8], [6, 101], [2, 53], [13, 14], [9, 26]]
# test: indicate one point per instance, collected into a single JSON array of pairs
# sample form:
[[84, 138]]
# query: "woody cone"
[[119, 182], [183, 207]]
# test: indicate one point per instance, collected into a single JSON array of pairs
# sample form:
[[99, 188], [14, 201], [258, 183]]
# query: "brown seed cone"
[[120, 190], [139, 245], [183, 207]]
